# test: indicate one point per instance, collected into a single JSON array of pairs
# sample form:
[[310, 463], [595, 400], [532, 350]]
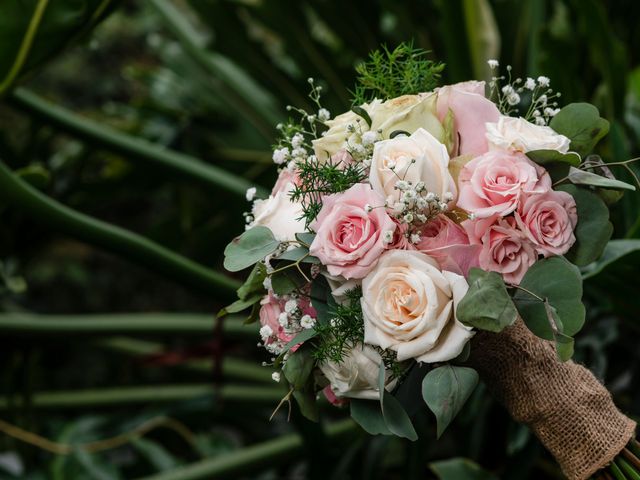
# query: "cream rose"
[[407, 113], [417, 158], [335, 138], [279, 214], [357, 375], [517, 134], [409, 304]]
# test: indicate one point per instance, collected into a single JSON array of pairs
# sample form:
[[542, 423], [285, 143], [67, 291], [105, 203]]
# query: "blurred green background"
[[155, 116]]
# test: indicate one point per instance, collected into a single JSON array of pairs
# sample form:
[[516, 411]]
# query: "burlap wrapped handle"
[[567, 408]]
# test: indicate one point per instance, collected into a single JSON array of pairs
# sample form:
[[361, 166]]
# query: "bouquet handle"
[[564, 404]]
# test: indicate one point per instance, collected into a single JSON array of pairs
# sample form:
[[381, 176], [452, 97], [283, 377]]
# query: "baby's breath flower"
[[307, 322], [275, 376], [280, 155], [369, 138], [266, 283], [324, 115], [530, 84], [283, 319], [265, 332], [448, 196], [543, 81], [387, 237], [291, 306], [513, 98], [251, 193], [415, 238], [297, 140], [493, 64]]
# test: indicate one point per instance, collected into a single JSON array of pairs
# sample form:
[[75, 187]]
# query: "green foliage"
[[460, 469], [545, 157], [395, 417], [549, 299], [344, 329], [249, 248], [445, 390], [593, 230], [582, 124], [487, 304], [317, 179], [392, 73], [369, 416], [583, 177]]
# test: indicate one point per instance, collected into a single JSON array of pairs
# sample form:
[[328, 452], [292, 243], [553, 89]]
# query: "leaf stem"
[[133, 148], [129, 245], [527, 291]]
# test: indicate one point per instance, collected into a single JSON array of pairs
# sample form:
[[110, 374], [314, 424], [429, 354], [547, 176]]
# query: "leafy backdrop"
[[125, 155]]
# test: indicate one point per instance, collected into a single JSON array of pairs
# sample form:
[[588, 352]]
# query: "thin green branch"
[[129, 245], [231, 367], [115, 397], [25, 46], [132, 147], [122, 324], [240, 463]]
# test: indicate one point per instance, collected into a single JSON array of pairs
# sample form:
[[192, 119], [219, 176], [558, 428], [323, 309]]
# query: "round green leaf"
[[559, 284], [545, 157], [249, 248], [487, 305], [593, 229], [445, 391], [368, 415], [582, 124], [395, 417]]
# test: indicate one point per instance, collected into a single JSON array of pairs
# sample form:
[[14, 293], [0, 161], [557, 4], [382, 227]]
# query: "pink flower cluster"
[[516, 215]]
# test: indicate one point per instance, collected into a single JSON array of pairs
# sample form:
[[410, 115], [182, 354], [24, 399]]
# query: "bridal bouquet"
[[398, 230]]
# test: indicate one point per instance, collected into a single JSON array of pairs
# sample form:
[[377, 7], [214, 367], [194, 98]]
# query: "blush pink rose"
[[400, 240], [505, 249], [471, 110], [493, 183], [332, 398], [548, 220], [349, 239], [270, 309], [448, 243], [285, 182], [341, 158]]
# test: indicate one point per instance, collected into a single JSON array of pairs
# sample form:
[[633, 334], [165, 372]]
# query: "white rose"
[[409, 306], [335, 138], [357, 375], [279, 214], [408, 113], [418, 158], [510, 133]]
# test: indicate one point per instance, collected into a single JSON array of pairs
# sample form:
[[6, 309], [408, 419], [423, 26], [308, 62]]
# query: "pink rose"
[[270, 310], [494, 182], [349, 238], [341, 158], [471, 110], [332, 398], [506, 250], [400, 240], [548, 220], [448, 243], [285, 182]]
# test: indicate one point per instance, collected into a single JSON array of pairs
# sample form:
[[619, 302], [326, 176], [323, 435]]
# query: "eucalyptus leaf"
[[395, 133], [445, 390], [287, 280], [298, 254], [564, 346], [545, 157], [249, 248], [396, 419], [254, 283], [307, 403], [593, 230], [582, 124], [240, 305], [557, 285], [614, 252], [306, 238], [368, 414], [460, 469], [302, 337], [583, 177], [487, 304], [298, 367]]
